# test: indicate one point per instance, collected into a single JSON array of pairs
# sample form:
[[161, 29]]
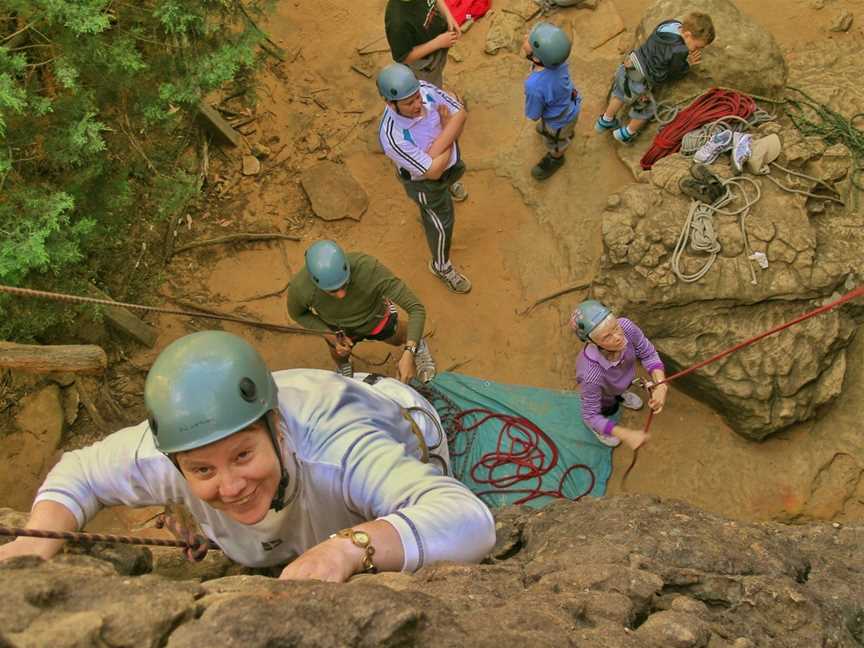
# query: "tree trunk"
[[73, 358]]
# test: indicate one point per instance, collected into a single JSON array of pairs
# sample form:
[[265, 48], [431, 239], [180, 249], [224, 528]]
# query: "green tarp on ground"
[[558, 414]]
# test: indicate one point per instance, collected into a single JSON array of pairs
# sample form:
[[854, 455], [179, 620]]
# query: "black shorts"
[[386, 333]]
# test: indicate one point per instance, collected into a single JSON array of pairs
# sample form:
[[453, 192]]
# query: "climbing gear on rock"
[[587, 316], [207, 386], [327, 265], [704, 186], [763, 152], [550, 44], [454, 280], [397, 82], [741, 150], [711, 150], [77, 536], [547, 167]]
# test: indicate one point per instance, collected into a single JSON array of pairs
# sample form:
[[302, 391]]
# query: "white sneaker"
[[608, 440], [742, 149], [631, 401], [455, 281], [424, 363], [345, 369], [711, 150]]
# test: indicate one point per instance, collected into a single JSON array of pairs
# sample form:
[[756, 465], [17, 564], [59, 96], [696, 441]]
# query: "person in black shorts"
[[419, 33]]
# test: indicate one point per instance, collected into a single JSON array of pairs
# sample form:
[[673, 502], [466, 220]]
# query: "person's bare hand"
[[447, 39], [444, 114], [658, 398], [341, 343], [453, 26], [632, 438], [407, 368], [694, 57], [332, 561]]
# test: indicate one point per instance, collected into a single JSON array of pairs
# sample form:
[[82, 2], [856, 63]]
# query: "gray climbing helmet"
[[588, 316], [206, 386], [550, 44], [397, 82], [328, 266]]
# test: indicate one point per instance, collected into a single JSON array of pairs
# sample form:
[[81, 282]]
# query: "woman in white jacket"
[[301, 465]]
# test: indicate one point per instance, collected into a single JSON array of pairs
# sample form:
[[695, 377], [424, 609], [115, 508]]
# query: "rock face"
[[628, 572], [813, 250], [743, 56]]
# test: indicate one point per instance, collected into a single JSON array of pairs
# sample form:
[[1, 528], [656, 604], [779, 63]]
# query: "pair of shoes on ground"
[[458, 192], [740, 144], [547, 167], [423, 362], [455, 281], [619, 131], [630, 401]]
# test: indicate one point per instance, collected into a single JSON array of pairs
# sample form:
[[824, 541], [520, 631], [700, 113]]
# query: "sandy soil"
[[516, 240]]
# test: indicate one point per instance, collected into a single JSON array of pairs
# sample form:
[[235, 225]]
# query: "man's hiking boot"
[[345, 369], [547, 167], [742, 149], [458, 192], [424, 363], [711, 150], [695, 190], [602, 124], [455, 281], [631, 401]]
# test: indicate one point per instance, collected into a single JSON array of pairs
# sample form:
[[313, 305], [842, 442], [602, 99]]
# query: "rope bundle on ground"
[[711, 106]]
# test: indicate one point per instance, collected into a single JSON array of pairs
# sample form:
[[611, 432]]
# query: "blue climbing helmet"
[[550, 44], [328, 266], [588, 316], [205, 387], [397, 82]]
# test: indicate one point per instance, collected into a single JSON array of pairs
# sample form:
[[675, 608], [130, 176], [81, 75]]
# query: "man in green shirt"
[[419, 33], [356, 297]]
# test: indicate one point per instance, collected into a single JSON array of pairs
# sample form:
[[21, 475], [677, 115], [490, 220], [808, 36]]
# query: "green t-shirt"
[[363, 306], [410, 23]]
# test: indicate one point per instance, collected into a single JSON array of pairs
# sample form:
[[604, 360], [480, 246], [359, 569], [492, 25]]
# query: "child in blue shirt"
[[549, 95]]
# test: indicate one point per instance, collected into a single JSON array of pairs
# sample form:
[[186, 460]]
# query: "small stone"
[[251, 165], [817, 4], [842, 22], [613, 201], [836, 525], [455, 54], [261, 151]]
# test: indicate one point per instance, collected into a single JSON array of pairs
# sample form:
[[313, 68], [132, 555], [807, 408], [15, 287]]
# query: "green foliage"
[[97, 99]]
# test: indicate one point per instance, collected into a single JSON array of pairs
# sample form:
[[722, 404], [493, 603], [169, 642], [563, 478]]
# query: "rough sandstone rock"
[[743, 56], [626, 572], [333, 192]]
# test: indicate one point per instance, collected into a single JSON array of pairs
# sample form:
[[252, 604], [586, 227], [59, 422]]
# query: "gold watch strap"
[[361, 540]]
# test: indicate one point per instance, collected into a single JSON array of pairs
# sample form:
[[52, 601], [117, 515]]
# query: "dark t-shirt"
[[410, 23]]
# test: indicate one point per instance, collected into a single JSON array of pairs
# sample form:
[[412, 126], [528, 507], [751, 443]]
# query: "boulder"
[[743, 56], [623, 572], [333, 192], [782, 379]]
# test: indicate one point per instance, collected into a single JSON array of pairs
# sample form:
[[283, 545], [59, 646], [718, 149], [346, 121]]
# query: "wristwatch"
[[361, 540], [412, 348]]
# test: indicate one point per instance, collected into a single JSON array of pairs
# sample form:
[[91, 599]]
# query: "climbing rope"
[[699, 228], [523, 452], [77, 536], [849, 296], [43, 294]]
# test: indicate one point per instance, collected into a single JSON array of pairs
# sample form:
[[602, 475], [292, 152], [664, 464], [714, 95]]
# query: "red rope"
[[520, 445], [849, 296], [711, 106]]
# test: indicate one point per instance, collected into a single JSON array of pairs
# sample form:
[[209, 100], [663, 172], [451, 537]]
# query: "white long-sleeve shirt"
[[351, 457]]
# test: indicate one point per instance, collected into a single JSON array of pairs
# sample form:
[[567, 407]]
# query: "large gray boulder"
[[744, 55], [626, 572]]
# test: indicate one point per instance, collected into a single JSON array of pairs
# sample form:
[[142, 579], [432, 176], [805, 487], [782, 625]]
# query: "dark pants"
[[436, 211]]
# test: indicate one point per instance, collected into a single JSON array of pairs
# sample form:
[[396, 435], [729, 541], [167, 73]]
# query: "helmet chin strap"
[[278, 502]]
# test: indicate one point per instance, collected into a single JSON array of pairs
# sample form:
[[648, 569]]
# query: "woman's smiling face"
[[237, 475]]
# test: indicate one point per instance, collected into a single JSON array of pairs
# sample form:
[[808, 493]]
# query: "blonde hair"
[[700, 26]]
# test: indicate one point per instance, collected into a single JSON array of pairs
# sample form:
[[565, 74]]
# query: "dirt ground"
[[515, 239]]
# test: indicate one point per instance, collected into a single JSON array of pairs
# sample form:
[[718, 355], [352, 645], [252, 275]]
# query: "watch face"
[[362, 537]]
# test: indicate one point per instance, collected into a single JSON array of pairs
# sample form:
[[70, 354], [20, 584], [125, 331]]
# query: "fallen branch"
[[90, 406], [551, 296], [274, 293], [243, 237], [35, 358]]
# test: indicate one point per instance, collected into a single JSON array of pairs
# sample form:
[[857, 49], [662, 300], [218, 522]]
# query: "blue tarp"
[[557, 413]]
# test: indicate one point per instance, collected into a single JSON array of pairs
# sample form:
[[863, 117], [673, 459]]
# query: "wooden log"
[[218, 125], [70, 358], [124, 321]]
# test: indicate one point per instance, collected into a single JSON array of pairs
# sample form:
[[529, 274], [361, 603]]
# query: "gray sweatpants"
[[436, 211], [431, 68]]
